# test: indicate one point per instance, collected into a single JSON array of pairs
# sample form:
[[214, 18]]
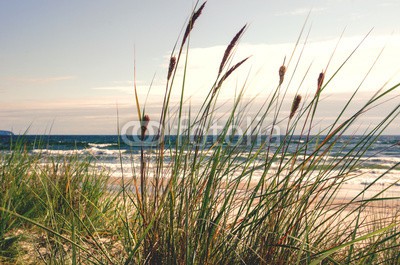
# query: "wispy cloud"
[[355, 16], [266, 59], [301, 11], [42, 80], [97, 112], [389, 3], [142, 88], [125, 89]]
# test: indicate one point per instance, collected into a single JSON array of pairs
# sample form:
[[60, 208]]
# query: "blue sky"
[[67, 64]]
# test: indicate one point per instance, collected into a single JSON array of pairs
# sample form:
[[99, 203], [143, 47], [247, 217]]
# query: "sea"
[[118, 154]]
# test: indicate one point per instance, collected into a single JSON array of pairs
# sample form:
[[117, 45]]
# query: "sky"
[[66, 67]]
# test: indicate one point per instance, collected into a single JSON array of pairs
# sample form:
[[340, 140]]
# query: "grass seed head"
[[192, 20], [172, 63], [144, 124], [230, 47], [282, 71], [295, 106], [229, 72], [320, 80]]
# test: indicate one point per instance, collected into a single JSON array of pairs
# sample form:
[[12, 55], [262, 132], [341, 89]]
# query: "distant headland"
[[6, 133]]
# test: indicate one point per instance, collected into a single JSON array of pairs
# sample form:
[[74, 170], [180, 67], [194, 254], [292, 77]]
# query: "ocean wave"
[[379, 159], [89, 151], [58, 152], [98, 152], [101, 145]]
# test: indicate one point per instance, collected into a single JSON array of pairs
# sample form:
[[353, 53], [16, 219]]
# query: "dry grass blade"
[[134, 86], [192, 20], [230, 47]]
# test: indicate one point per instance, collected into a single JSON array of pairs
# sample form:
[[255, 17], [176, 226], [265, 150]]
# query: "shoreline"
[[346, 193]]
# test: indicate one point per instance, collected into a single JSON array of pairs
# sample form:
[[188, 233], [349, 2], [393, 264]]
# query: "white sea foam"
[[100, 145], [97, 151], [389, 159], [58, 152], [92, 151], [110, 160]]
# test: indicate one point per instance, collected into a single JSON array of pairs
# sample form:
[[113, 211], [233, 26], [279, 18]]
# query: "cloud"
[[42, 80], [141, 88], [389, 3], [259, 76], [125, 89], [301, 11], [28, 106], [261, 71]]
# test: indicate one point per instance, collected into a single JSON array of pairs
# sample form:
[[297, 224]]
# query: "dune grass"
[[225, 203]]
